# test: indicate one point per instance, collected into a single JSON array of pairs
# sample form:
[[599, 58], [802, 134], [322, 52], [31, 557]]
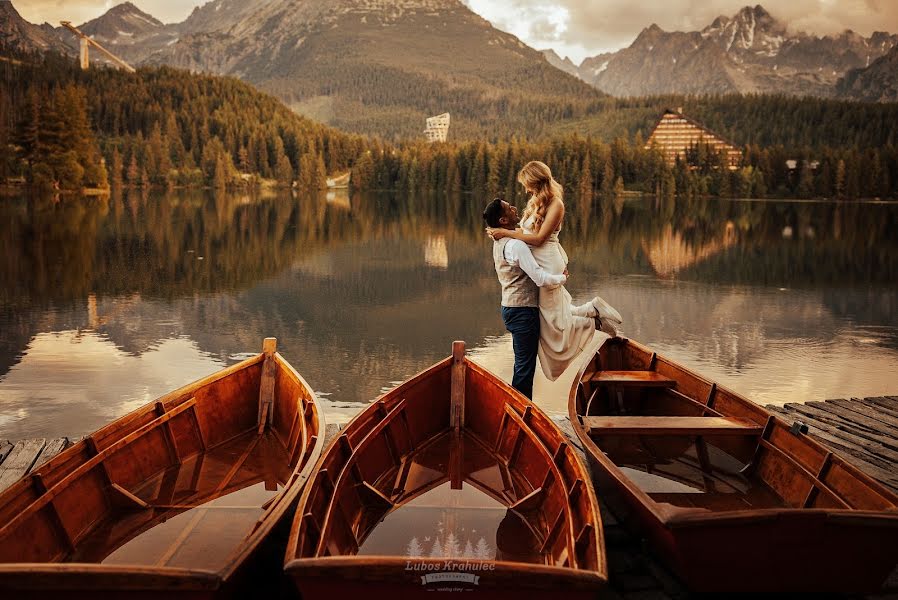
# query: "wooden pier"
[[863, 431], [17, 459]]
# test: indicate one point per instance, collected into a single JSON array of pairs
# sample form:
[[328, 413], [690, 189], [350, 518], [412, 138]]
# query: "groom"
[[520, 277]]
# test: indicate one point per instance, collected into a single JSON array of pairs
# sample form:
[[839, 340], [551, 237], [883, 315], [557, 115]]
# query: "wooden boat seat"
[[670, 426], [641, 379]]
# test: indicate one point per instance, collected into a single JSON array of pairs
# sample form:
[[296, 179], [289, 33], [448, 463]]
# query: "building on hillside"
[[437, 128], [675, 134]]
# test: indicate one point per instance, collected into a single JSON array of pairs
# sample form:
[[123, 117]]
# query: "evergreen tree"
[[284, 172], [840, 180], [436, 550], [133, 174], [414, 549], [117, 169], [452, 548], [483, 550]]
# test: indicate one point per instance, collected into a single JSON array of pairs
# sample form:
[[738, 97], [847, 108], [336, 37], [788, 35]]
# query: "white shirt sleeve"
[[518, 253]]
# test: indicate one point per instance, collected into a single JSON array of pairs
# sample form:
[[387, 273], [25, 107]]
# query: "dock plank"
[[20, 460], [52, 448], [890, 402], [871, 413], [877, 405], [854, 417], [5, 449]]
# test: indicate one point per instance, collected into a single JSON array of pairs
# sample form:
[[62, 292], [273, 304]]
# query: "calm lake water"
[[108, 303]]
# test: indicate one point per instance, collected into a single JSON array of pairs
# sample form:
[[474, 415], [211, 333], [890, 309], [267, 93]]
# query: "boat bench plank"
[[633, 379], [671, 426]]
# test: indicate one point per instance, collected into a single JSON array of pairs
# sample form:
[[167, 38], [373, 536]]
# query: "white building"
[[437, 128]]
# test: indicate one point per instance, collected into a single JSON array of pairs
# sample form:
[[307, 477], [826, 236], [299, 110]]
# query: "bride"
[[565, 330]]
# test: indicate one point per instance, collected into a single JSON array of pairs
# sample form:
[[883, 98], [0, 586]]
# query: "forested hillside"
[[164, 127], [158, 127], [592, 170], [766, 120]]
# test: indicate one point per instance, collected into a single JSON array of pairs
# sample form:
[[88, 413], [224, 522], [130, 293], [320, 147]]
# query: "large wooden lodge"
[[675, 134]]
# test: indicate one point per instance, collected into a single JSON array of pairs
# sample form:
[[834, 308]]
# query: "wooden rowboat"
[[452, 480], [731, 496], [179, 499]]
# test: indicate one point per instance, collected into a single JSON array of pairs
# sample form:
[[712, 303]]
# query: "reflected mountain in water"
[[364, 291]]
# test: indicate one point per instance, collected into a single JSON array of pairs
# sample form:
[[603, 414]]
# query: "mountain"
[[876, 83], [750, 52], [17, 33], [220, 15], [381, 66], [126, 31], [377, 67], [565, 64]]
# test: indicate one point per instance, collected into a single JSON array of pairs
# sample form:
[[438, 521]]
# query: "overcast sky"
[[575, 28]]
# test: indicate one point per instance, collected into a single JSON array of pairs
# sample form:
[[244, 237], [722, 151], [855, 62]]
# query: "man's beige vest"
[[518, 290]]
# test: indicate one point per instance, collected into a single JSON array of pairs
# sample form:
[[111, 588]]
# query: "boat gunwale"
[[58, 575], [323, 566], [684, 517], [294, 563]]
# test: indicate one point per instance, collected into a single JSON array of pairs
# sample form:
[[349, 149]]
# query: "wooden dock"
[[17, 459], [864, 431]]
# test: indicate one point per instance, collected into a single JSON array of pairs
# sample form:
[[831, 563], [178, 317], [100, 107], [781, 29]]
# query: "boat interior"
[[182, 483], [691, 445], [403, 481]]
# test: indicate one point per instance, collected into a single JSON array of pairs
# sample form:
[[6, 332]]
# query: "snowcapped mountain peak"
[[752, 29]]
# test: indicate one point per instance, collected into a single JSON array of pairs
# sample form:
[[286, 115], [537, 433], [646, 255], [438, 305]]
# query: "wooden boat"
[[732, 497], [178, 499], [453, 480]]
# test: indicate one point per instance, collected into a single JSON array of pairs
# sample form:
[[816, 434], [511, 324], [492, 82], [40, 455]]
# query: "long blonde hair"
[[538, 177]]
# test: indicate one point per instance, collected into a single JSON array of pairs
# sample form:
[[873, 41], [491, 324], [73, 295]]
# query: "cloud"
[[582, 28], [81, 11]]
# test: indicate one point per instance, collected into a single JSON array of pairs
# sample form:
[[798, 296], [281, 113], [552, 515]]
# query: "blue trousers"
[[523, 323]]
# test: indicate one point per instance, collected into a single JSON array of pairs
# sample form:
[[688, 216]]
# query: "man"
[[521, 277]]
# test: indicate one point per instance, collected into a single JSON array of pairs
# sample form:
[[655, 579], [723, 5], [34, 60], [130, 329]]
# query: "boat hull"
[[197, 488], [453, 454], [814, 523], [758, 554]]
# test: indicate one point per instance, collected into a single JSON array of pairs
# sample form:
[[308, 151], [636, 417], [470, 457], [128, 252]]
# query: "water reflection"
[[107, 303]]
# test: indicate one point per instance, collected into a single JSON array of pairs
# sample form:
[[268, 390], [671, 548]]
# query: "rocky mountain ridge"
[[750, 52]]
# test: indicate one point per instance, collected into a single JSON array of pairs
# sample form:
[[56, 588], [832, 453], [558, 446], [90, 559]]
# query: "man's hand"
[[566, 274], [496, 234]]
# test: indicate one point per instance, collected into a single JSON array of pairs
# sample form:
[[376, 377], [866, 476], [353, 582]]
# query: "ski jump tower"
[[87, 42]]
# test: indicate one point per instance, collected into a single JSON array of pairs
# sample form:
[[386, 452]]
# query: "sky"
[[575, 28]]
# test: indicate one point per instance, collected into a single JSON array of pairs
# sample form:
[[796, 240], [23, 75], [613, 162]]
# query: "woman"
[[564, 330]]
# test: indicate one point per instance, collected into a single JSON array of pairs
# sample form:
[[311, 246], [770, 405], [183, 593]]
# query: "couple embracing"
[[532, 269]]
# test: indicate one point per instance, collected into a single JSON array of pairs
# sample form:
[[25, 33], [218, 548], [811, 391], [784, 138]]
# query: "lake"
[[107, 303]]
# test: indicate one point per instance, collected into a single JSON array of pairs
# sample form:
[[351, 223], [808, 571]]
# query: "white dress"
[[562, 336]]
